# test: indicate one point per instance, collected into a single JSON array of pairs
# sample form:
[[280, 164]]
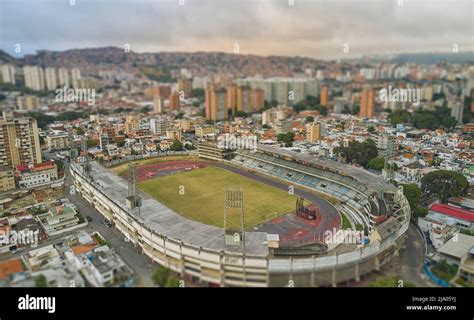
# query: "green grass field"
[[203, 198]]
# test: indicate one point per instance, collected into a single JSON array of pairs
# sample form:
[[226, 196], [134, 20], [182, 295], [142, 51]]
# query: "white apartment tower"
[[63, 75], [8, 73], [51, 81], [34, 77]]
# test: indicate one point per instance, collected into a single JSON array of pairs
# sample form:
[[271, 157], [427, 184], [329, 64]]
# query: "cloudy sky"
[[314, 28]]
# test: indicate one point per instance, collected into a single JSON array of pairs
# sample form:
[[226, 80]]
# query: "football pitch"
[[199, 195]]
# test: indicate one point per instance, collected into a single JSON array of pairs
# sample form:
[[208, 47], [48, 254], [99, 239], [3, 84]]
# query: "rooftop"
[[457, 246], [10, 267], [453, 211]]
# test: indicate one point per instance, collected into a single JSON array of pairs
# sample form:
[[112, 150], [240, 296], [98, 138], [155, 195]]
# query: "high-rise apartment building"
[[216, 105], [158, 91], [186, 86], [50, 77], [8, 73], [75, 77], [174, 102], [313, 132], [28, 102], [324, 99], [19, 141], [158, 104], [243, 99], [367, 102], [34, 77], [63, 77], [159, 125]]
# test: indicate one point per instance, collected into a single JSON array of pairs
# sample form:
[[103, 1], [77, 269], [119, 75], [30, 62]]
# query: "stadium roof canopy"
[[367, 178]]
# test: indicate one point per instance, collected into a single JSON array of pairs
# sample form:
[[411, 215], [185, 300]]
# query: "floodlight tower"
[[72, 147], [134, 201], [86, 167], [234, 235], [389, 167]]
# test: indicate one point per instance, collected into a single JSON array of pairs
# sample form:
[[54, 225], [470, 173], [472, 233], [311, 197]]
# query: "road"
[[140, 264], [412, 257]]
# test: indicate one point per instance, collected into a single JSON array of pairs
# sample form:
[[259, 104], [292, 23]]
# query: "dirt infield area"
[[149, 171]]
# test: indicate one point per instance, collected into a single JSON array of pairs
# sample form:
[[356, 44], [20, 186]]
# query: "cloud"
[[316, 28]]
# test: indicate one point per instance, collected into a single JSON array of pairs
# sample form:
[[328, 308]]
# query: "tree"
[[198, 93], [287, 138], [419, 212], [358, 152], [377, 163], [41, 281], [179, 116], [176, 146], [79, 131], [241, 114], [145, 109], [399, 116], [444, 184], [309, 119], [160, 276], [172, 283], [371, 129], [413, 194]]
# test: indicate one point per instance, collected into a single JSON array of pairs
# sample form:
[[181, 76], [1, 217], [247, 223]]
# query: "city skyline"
[[261, 27]]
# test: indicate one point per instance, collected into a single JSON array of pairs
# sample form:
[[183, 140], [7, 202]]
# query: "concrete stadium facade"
[[197, 251]]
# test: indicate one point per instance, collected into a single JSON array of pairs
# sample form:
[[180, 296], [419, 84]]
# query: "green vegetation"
[[176, 145], [371, 129], [270, 104], [43, 120], [101, 240], [413, 194], [358, 152], [240, 114], [198, 93], [377, 163], [346, 224], [310, 103], [425, 119], [391, 282], [145, 109], [156, 73], [444, 270], [354, 110], [41, 281], [444, 184], [160, 276], [199, 195], [309, 119], [287, 138], [466, 232]]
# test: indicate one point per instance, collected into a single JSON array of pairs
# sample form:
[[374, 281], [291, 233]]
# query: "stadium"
[[253, 218]]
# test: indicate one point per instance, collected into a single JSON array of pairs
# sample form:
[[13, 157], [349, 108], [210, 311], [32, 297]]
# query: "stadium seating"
[[351, 193]]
